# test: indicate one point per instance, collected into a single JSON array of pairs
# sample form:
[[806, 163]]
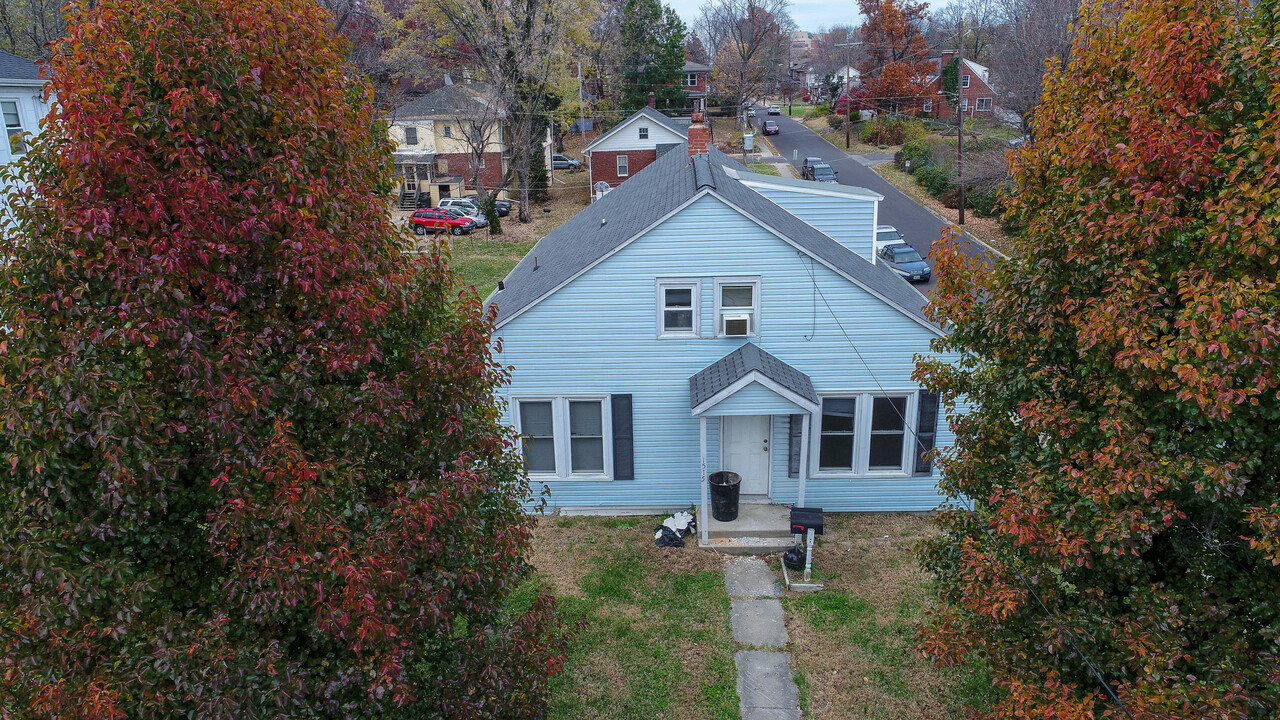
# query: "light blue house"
[[702, 317]]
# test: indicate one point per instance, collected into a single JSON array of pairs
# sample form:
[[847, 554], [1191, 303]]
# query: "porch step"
[[748, 545], [727, 530]]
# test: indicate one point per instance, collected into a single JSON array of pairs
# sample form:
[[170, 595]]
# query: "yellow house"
[[448, 141]]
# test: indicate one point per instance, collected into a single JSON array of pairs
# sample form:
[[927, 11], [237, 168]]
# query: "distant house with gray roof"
[[632, 145], [22, 104], [449, 141], [702, 317]]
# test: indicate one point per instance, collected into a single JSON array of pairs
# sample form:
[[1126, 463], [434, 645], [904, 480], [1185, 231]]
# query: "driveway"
[[920, 227]]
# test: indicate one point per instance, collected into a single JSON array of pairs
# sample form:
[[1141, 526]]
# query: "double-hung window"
[[984, 104], [737, 307], [928, 106], [964, 104], [448, 131], [622, 165], [866, 433], [565, 436], [678, 308], [13, 126], [410, 135], [964, 81], [691, 80], [644, 133]]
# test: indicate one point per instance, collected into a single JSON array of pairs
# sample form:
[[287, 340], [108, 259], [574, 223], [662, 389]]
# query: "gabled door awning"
[[750, 381]]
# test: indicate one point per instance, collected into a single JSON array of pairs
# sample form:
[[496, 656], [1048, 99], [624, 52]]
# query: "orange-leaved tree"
[[1119, 374], [253, 464], [897, 67]]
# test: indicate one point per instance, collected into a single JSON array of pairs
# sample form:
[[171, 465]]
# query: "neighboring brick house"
[[631, 145], [977, 98], [695, 84], [437, 136]]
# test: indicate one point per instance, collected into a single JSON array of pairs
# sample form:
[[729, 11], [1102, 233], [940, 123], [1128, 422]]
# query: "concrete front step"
[[748, 545]]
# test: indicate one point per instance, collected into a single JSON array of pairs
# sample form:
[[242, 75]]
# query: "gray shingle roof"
[[448, 101], [650, 195], [747, 359], [17, 68]]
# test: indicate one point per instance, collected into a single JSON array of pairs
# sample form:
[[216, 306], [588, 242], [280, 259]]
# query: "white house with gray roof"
[[22, 104], [702, 317]]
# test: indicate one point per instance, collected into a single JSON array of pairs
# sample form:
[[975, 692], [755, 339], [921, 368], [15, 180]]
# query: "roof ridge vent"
[[702, 175]]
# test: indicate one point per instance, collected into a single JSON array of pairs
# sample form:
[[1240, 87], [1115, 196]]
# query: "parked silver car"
[[466, 207]]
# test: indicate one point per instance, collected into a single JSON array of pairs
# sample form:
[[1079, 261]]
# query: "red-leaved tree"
[[897, 66], [253, 462], [1120, 448]]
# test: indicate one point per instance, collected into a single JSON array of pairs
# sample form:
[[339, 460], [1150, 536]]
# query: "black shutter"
[[926, 430], [794, 439], [624, 462]]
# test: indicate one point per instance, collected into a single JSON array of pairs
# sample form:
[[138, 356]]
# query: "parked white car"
[[467, 206]]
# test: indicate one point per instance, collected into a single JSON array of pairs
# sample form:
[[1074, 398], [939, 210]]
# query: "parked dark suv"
[[899, 256]]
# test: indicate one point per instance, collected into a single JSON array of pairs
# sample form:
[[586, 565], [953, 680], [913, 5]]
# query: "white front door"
[[744, 449]]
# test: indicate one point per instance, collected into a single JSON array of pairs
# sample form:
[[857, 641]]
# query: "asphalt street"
[[919, 227]]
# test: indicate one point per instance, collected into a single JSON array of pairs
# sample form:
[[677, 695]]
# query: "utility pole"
[[582, 110], [960, 121], [848, 85]]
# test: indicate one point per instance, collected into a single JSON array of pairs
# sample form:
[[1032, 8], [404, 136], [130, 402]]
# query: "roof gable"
[[677, 127], [660, 191], [452, 101]]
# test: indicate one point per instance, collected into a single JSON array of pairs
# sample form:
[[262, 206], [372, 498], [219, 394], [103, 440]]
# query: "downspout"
[[704, 522]]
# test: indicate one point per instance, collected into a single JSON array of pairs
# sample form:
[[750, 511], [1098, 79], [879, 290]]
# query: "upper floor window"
[[13, 127], [964, 81], [737, 307], [984, 103], [411, 135], [448, 131], [691, 79], [928, 106], [644, 133], [678, 308], [964, 104], [622, 166]]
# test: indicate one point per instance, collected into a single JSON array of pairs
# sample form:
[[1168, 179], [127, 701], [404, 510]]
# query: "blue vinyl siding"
[[847, 220], [597, 335], [754, 399]]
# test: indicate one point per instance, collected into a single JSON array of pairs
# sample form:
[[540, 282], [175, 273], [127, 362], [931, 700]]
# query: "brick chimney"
[[947, 55], [699, 136], [653, 101]]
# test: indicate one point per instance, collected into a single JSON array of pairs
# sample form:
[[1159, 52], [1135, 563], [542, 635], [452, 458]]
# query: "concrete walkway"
[[766, 688]]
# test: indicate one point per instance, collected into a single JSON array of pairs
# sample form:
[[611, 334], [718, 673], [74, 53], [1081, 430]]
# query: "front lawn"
[[836, 137], [853, 643], [763, 168], [655, 639]]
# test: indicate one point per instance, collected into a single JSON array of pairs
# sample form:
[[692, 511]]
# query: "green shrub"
[[984, 203], [835, 122], [913, 130], [917, 152], [934, 179], [821, 110]]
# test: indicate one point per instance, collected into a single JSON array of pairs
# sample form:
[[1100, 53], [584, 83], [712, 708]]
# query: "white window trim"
[[928, 106], [20, 130], [623, 166], [984, 100], [862, 435], [755, 307], [691, 79], [560, 430], [677, 283], [964, 81], [964, 104], [448, 131], [643, 132]]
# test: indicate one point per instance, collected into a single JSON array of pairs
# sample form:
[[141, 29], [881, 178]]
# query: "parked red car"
[[433, 219], [770, 128]]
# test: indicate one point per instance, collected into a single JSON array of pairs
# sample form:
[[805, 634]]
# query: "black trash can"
[[725, 485]]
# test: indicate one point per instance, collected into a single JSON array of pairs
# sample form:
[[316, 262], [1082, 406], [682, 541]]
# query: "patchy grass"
[[484, 259], [763, 168], [985, 229], [853, 643], [655, 639]]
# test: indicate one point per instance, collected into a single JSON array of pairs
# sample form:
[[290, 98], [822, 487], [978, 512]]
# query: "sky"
[[809, 14]]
